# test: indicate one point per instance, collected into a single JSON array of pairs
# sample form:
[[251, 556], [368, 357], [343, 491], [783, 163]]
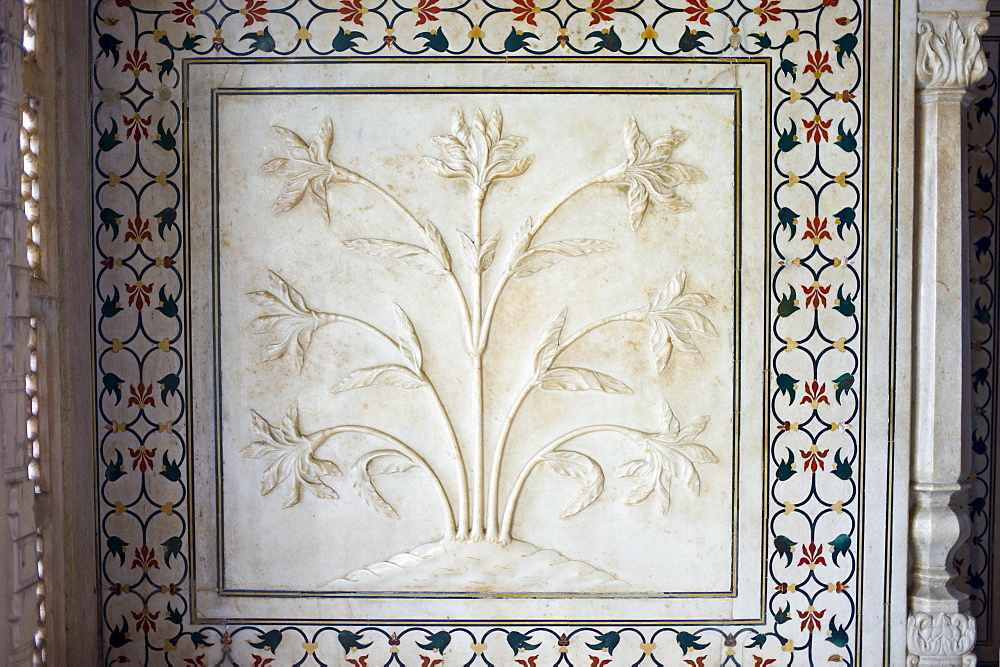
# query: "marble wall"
[[516, 334]]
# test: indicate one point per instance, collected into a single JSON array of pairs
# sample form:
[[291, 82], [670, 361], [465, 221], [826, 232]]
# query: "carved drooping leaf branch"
[[378, 462], [582, 468], [949, 52], [670, 454], [480, 155], [940, 635]]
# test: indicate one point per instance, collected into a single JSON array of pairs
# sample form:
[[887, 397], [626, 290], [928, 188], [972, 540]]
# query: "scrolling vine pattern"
[[815, 47]]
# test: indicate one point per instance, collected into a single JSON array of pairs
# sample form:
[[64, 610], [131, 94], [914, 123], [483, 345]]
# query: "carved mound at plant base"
[[447, 565]]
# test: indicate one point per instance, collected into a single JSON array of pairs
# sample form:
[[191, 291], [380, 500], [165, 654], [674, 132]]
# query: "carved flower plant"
[[477, 508]]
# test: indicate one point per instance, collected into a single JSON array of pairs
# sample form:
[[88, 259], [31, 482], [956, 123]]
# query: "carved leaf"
[[545, 255], [479, 259], [469, 250], [319, 150], [566, 378], [549, 343], [297, 148], [579, 467], [638, 202], [519, 244], [411, 255], [488, 251], [409, 344], [436, 245], [379, 462], [389, 375]]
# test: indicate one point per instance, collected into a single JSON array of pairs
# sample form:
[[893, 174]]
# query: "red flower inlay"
[[699, 11], [816, 230], [142, 458], [426, 11], [145, 558], [136, 61], [819, 63], [138, 230], [760, 661], [141, 395], [812, 555], [815, 394], [197, 661], [815, 295], [767, 11], [352, 10], [185, 12], [137, 127], [362, 661], [812, 461], [138, 294], [697, 662], [816, 129], [254, 12], [145, 621], [525, 10], [601, 10], [811, 619], [260, 661]]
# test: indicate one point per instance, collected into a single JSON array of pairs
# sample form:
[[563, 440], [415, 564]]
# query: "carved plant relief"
[[478, 510]]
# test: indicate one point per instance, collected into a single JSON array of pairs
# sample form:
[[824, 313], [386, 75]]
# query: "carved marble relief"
[[480, 508]]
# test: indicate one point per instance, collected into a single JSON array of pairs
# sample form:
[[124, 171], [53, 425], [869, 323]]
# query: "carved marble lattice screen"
[[527, 334]]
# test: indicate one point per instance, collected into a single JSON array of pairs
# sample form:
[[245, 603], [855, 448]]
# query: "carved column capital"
[[949, 53], [940, 638]]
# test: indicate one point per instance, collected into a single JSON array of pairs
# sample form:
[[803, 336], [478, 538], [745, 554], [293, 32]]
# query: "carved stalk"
[[949, 58], [515, 492], [477, 350], [449, 524], [498, 452]]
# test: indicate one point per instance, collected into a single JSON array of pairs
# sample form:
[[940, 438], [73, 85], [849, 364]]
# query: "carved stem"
[[495, 468], [515, 492], [463, 479], [412, 220], [508, 274], [628, 316], [498, 452], [361, 324], [477, 349], [409, 452]]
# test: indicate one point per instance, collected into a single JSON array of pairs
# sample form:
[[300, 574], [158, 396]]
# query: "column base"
[[940, 639]]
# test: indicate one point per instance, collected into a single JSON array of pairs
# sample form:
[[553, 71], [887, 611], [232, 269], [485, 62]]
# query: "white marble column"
[[18, 564], [949, 59]]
